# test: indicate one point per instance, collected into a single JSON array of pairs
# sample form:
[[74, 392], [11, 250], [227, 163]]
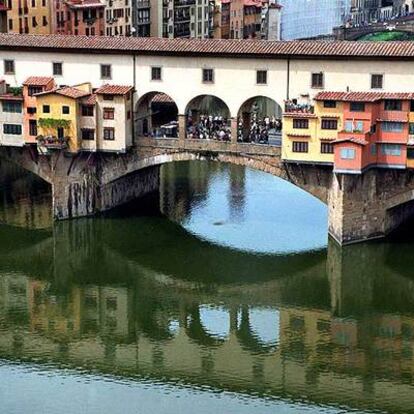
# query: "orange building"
[[79, 17], [32, 86], [375, 130]]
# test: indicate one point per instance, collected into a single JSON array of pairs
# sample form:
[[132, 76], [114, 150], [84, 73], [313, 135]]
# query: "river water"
[[220, 295]]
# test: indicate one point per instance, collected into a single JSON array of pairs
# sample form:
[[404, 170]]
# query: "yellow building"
[[58, 117], [308, 134], [30, 16]]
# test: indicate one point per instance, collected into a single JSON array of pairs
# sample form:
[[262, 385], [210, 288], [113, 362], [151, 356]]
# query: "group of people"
[[209, 127], [218, 128], [260, 128]]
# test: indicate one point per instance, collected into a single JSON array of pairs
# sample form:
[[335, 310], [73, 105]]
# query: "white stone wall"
[[11, 118], [234, 79]]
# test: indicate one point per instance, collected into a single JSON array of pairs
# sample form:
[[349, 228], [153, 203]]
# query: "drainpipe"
[[287, 78]]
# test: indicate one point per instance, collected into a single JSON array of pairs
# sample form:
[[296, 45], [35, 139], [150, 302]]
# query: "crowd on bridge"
[[214, 127], [259, 129]]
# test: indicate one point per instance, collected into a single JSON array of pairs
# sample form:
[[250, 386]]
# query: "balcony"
[[52, 142], [294, 107]]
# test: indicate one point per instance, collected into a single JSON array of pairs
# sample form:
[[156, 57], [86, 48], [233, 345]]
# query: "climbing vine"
[[54, 123]]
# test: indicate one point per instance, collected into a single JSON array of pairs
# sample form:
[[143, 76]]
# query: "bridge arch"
[[156, 114], [256, 114], [206, 115], [311, 179]]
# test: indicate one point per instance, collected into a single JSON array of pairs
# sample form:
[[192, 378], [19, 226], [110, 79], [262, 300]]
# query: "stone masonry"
[[360, 207]]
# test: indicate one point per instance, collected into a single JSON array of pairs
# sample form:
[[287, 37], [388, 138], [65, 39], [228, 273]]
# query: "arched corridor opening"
[[156, 115], [260, 121], [208, 117]]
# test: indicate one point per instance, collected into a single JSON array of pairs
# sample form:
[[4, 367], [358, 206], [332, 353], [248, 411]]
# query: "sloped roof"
[[221, 47], [113, 90], [37, 81], [67, 91], [362, 96]]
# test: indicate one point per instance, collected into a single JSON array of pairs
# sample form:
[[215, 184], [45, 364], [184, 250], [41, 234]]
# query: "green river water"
[[221, 294]]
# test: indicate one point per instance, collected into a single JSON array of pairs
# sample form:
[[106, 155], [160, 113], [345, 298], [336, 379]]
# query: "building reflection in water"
[[329, 332]]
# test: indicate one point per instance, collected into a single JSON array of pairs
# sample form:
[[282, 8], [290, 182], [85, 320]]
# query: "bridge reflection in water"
[[303, 327], [142, 298]]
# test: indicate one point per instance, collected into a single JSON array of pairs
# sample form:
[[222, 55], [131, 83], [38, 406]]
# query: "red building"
[[375, 130], [79, 17], [32, 86]]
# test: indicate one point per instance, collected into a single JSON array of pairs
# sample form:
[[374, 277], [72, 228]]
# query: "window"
[[46, 109], [12, 129], [9, 67], [411, 106], [12, 106], [327, 148], [156, 73], [261, 77], [65, 110], [329, 124], [109, 134], [317, 80], [410, 153], [208, 75], [57, 69], [108, 113], [392, 105], [106, 72], [392, 126], [87, 110], [329, 104], [347, 153], [32, 128], [108, 97], [377, 81], [391, 149], [300, 146], [411, 128], [33, 90], [354, 126], [31, 110], [373, 149], [301, 123], [357, 107], [88, 134]]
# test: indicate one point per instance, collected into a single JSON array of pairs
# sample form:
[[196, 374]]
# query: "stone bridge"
[[360, 207], [403, 24]]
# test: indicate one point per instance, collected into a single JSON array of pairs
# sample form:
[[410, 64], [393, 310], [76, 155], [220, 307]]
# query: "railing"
[[198, 145], [52, 141], [294, 107]]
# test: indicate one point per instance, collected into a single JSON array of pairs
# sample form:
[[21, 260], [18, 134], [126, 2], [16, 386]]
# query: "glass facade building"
[[303, 19]]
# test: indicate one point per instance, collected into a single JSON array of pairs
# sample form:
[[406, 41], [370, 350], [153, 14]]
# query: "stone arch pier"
[[360, 207]]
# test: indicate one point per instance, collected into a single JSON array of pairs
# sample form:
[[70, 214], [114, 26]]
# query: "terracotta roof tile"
[[89, 100], [10, 97], [362, 96], [37, 81], [68, 91], [351, 139], [299, 115], [237, 48], [113, 90]]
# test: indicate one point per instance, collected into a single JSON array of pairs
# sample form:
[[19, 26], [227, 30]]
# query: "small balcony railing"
[[52, 142], [293, 107]]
